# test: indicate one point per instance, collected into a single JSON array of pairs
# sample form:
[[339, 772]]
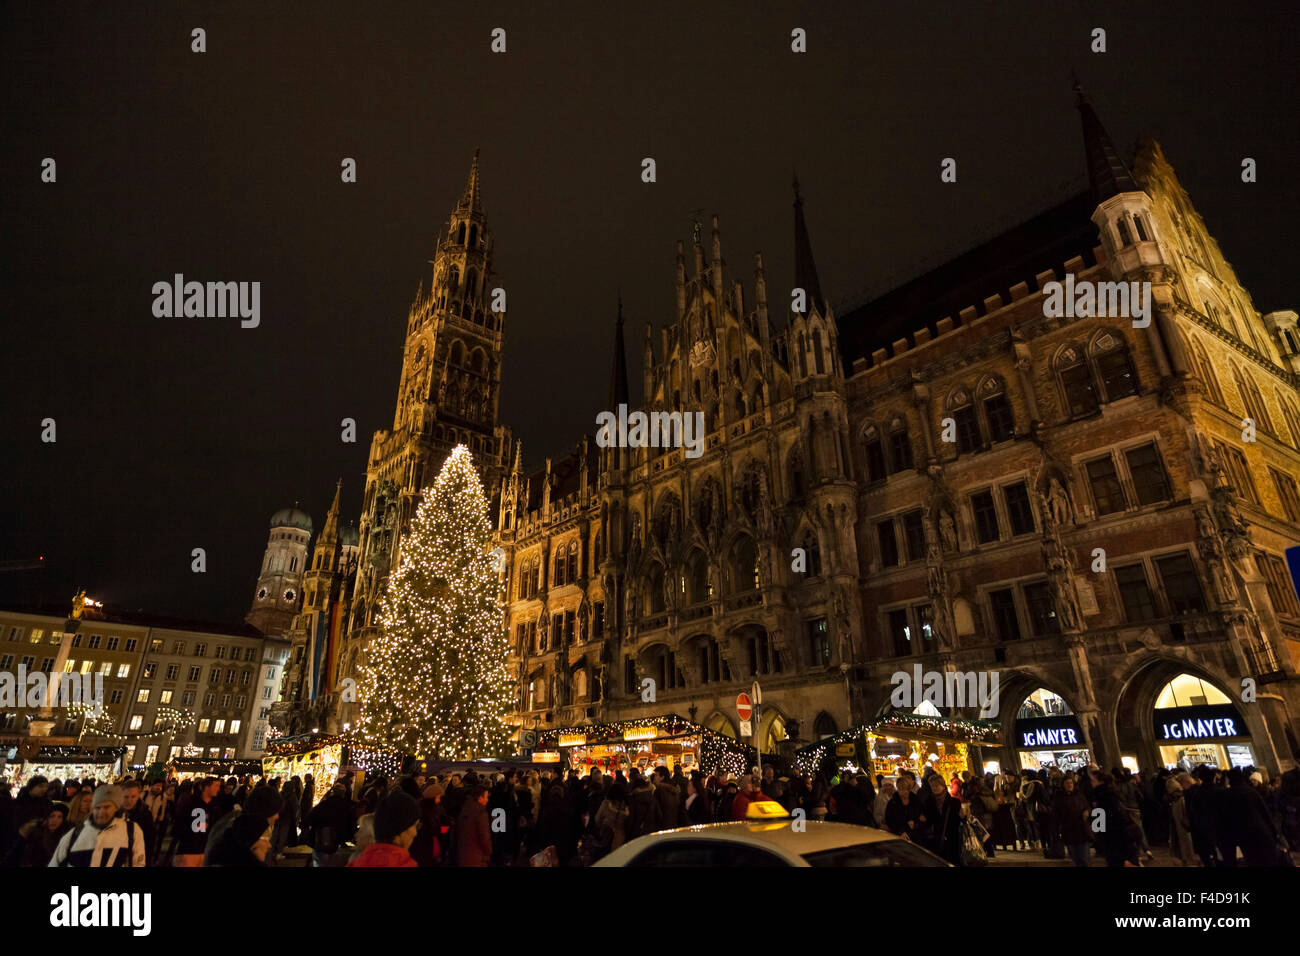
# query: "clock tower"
[[278, 595]]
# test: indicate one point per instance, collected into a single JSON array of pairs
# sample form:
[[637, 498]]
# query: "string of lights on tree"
[[435, 683]]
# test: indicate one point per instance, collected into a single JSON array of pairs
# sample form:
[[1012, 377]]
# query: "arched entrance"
[[1045, 733], [722, 724], [1172, 714]]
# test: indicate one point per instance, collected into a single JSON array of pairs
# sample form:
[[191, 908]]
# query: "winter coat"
[[473, 835], [901, 818], [230, 844], [611, 822], [430, 845], [384, 854], [332, 823], [669, 800], [698, 810], [36, 844], [1180, 832], [1071, 810], [643, 815]]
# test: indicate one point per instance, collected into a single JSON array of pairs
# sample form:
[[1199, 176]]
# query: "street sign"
[[744, 709], [746, 729]]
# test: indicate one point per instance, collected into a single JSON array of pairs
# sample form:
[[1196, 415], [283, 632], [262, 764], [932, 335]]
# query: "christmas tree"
[[435, 683]]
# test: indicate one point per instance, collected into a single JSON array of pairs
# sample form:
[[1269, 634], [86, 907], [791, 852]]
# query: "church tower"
[[448, 393], [279, 584]]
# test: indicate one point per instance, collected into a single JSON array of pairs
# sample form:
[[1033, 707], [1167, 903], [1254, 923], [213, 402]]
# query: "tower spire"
[[469, 201], [805, 269], [1107, 172], [618, 394]]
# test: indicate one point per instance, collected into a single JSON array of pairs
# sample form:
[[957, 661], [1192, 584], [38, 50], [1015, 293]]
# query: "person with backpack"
[[242, 838], [331, 824], [103, 839]]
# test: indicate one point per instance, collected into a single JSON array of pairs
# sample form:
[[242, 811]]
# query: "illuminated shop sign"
[[1049, 733], [1212, 722]]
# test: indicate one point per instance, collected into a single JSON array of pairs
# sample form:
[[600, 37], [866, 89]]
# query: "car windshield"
[[881, 853]]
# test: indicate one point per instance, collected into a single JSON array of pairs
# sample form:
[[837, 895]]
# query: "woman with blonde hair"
[[80, 804]]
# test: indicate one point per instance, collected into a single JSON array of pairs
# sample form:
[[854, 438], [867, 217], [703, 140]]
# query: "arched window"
[[655, 584], [803, 355], [824, 726], [710, 659], [1075, 375], [999, 421], [571, 573], [814, 554], [1125, 240], [471, 285], [875, 451], [900, 446], [1254, 402], [1205, 372], [473, 236], [1292, 418], [1115, 372], [1141, 228], [798, 483], [744, 565], [818, 359], [962, 412]]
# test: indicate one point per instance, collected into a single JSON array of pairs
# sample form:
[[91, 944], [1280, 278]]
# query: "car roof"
[[776, 834]]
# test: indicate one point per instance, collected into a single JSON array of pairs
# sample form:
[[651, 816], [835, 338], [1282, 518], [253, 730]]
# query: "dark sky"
[[183, 433]]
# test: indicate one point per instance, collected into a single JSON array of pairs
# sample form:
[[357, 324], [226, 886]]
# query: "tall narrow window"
[[1121, 227], [986, 517], [1182, 587], [900, 449], [1107, 493], [1150, 483], [1042, 609], [875, 455], [1135, 593], [1115, 369], [888, 544], [1076, 382], [914, 535], [1006, 623], [1019, 511], [997, 412]]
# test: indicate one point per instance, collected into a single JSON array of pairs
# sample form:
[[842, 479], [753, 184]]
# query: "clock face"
[[261, 594], [290, 594]]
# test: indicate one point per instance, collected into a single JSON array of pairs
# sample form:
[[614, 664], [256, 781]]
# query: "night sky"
[[183, 433]]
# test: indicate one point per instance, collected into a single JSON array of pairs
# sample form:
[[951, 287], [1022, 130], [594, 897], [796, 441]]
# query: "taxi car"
[[770, 836]]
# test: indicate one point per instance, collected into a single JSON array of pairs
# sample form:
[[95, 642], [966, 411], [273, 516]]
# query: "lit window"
[[203, 725], [123, 670], [143, 696], [137, 721], [234, 726]]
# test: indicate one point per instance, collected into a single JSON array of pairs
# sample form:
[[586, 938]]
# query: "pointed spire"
[[805, 269], [618, 394], [1107, 172], [331, 530], [470, 199], [519, 453]]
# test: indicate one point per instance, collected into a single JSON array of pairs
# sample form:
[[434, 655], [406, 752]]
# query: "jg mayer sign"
[[1209, 722]]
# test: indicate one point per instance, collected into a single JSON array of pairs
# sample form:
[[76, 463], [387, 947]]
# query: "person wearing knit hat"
[[103, 838], [396, 820], [108, 793]]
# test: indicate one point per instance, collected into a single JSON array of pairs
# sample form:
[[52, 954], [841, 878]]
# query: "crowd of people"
[[509, 818]]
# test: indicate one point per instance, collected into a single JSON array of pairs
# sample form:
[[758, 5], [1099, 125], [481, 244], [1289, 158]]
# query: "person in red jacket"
[[473, 831], [397, 820], [740, 806]]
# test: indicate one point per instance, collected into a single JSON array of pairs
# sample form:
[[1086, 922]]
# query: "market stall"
[[68, 763], [186, 768], [645, 743], [898, 741], [325, 757]]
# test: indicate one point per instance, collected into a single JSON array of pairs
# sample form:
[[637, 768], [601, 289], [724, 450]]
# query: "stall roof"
[[717, 751], [986, 733]]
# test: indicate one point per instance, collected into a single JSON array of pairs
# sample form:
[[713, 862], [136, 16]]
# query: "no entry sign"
[[743, 707]]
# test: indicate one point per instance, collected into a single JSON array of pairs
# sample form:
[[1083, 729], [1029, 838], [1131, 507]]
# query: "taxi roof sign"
[[765, 810]]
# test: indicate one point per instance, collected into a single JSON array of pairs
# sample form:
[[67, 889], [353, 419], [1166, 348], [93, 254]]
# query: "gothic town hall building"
[[950, 475]]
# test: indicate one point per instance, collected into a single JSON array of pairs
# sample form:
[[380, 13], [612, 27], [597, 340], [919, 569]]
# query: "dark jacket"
[[643, 812], [700, 810], [430, 843], [898, 816], [332, 823], [668, 799], [141, 816], [36, 844], [1071, 811], [188, 830], [231, 841], [942, 827]]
